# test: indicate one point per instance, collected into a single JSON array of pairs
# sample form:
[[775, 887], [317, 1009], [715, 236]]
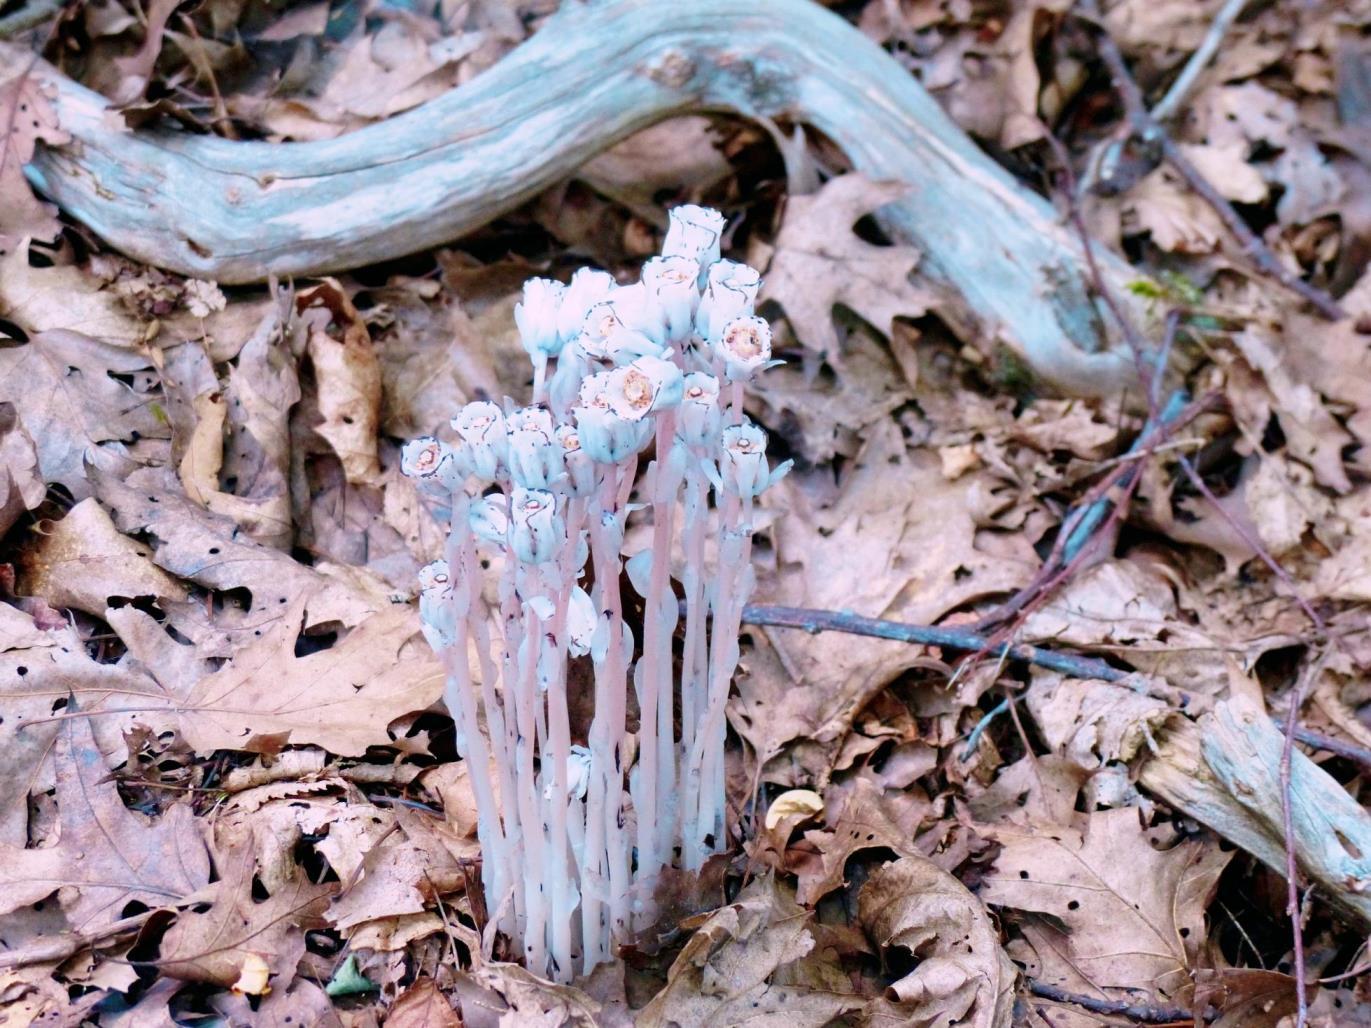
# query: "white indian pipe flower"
[[694, 232], [674, 283], [588, 287], [535, 528], [436, 613], [577, 774], [600, 322], [580, 469], [537, 317], [489, 519], [700, 416], [730, 294], [580, 622], [481, 425], [624, 346], [606, 437], [744, 346], [742, 462], [647, 386], [534, 456]]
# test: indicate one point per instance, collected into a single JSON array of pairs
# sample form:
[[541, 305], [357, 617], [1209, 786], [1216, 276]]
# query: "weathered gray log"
[[596, 72], [1225, 772]]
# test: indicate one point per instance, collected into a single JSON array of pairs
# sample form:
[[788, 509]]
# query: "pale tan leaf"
[[820, 262], [963, 976]]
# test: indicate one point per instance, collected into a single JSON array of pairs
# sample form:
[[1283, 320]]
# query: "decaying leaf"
[[107, 856], [81, 400], [348, 375], [752, 962], [26, 118], [963, 977], [340, 698], [820, 262], [1133, 911]]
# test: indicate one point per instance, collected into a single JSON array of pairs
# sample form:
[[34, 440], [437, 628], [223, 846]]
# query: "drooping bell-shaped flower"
[[535, 527], [744, 347], [537, 316], [489, 519], [647, 386], [535, 457], [730, 293], [624, 346], [674, 283], [742, 462], [580, 469], [606, 437], [700, 416], [587, 288], [694, 232], [437, 615], [481, 424]]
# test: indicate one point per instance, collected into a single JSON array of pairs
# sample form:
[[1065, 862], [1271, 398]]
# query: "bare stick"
[[1143, 1012], [1180, 89], [239, 211]]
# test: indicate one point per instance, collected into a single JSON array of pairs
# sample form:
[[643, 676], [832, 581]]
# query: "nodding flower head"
[[700, 415], [731, 291], [535, 528], [534, 455], [674, 282], [742, 465], [437, 616], [601, 321], [605, 436], [481, 425], [423, 457], [587, 288], [647, 386], [537, 317], [744, 347], [489, 519], [580, 469], [694, 232]]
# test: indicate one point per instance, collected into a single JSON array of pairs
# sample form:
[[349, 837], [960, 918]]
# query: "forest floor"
[[232, 790]]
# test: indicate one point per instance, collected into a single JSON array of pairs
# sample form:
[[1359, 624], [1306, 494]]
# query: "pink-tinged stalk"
[[460, 697], [655, 761], [695, 652]]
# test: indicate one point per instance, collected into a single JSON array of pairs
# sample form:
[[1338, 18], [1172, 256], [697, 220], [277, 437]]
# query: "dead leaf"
[[963, 976], [26, 118], [21, 487], [348, 376], [820, 262], [229, 937], [107, 856], [341, 698], [66, 298], [80, 400], [84, 562], [422, 1005], [752, 962], [1133, 911]]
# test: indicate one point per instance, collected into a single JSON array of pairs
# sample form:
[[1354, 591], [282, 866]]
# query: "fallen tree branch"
[[240, 211], [1225, 771]]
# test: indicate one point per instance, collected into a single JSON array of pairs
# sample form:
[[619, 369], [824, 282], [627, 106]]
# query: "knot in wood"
[[673, 69]]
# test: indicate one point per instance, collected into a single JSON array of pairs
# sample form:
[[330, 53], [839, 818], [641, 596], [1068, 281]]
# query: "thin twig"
[[1179, 92], [1143, 1012], [1150, 130]]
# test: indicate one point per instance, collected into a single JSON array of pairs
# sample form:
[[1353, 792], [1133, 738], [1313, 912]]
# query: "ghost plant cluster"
[[574, 836]]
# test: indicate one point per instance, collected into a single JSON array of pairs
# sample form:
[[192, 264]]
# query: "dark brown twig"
[[1150, 131], [1145, 1013]]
